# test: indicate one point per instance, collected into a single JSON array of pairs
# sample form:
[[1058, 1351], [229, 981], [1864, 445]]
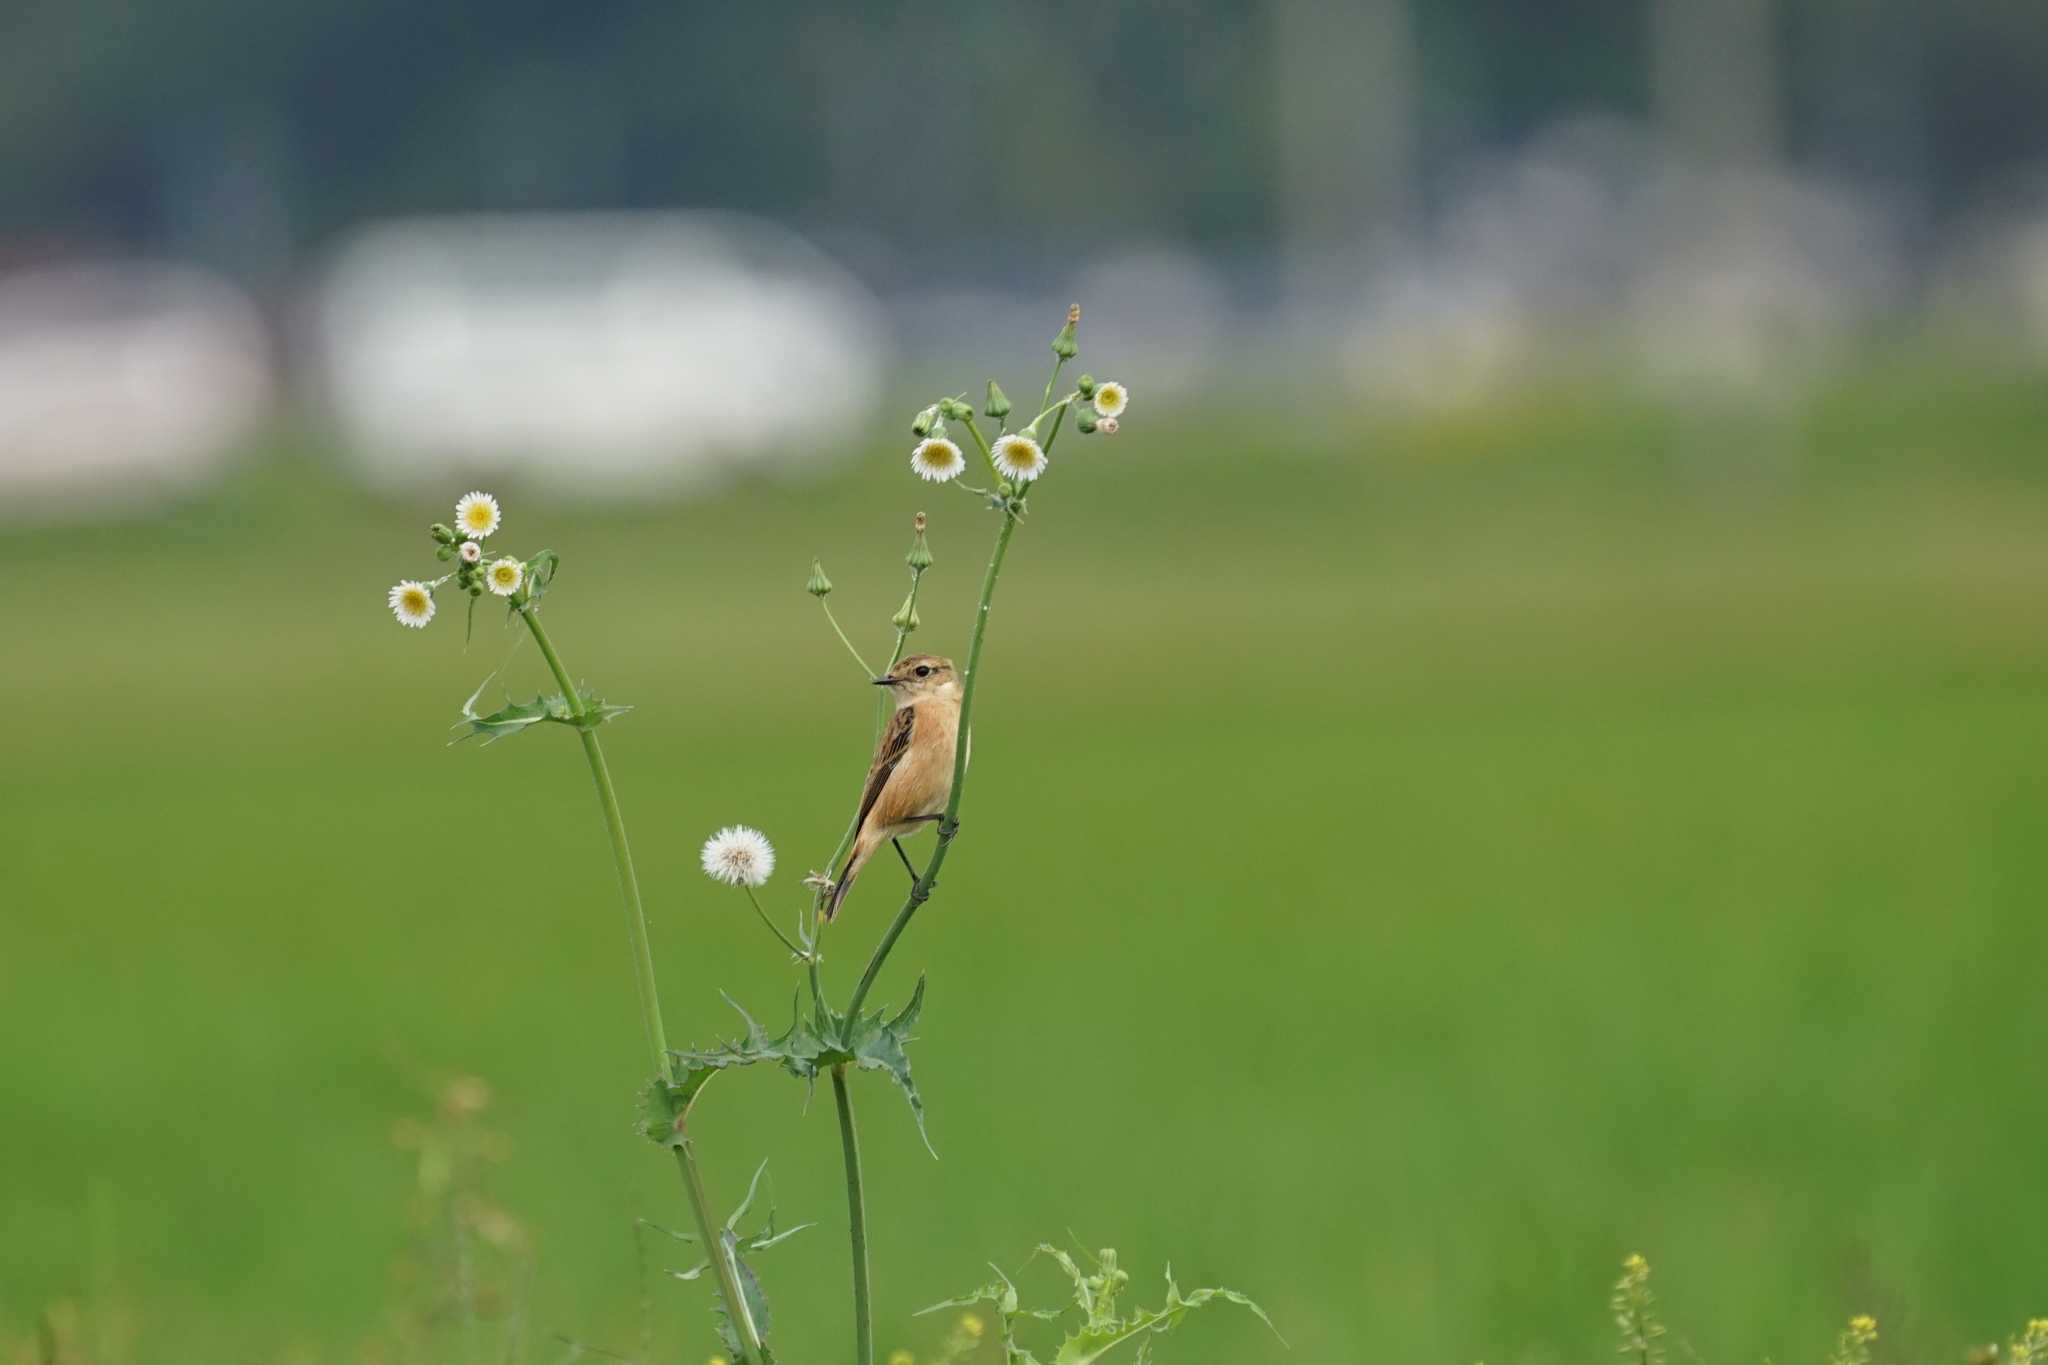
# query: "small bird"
[[911, 778]]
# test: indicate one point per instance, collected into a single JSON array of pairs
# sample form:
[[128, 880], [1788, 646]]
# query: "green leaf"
[[1095, 1296], [540, 574], [875, 1044], [807, 1049], [514, 717]]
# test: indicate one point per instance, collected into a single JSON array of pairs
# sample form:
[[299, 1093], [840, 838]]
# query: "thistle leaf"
[[514, 717], [806, 1049], [1095, 1295]]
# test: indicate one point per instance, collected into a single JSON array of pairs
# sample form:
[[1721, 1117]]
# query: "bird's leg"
[[897, 844]]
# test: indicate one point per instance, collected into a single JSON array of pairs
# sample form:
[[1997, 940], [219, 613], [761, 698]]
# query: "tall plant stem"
[[857, 1220], [643, 974], [949, 824]]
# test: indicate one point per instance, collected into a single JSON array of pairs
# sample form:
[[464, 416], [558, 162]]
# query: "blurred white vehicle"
[[122, 381], [608, 352]]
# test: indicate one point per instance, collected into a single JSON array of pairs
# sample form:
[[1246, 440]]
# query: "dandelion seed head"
[[739, 856], [505, 575], [412, 602], [1019, 457], [476, 514], [937, 460], [1111, 398]]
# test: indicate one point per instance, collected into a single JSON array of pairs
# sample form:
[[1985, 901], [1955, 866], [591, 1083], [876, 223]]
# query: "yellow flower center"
[[414, 601], [478, 517], [505, 575]]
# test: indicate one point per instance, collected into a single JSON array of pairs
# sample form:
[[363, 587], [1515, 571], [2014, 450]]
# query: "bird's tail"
[[844, 882]]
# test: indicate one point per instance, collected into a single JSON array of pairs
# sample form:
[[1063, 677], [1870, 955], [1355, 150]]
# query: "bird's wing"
[[895, 743]]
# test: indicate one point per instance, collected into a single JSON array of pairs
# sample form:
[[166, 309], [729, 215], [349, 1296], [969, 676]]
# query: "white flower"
[[476, 515], [937, 460], [471, 552], [504, 576], [1110, 398], [412, 602], [739, 856], [1019, 457], [1107, 426]]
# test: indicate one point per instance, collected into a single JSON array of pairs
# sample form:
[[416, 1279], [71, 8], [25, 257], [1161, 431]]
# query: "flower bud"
[[444, 553], [921, 425], [998, 405], [1084, 422], [1108, 426], [476, 590], [819, 585], [442, 532], [953, 410], [905, 618], [920, 556], [1086, 385], [1063, 345]]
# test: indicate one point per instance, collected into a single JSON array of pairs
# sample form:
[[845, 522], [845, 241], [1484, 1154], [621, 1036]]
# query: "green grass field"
[[1402, 874]]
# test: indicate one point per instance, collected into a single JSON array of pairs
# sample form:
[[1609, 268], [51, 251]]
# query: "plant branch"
[[949, 824], [857, 1219], [865, 670], [643, 973]]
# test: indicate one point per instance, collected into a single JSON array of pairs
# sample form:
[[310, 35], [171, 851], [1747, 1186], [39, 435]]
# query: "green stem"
[[754, 901], [857, 1219], [622, 854], [982, 441], [949, 824], [643, 973], [721, 1256], [844, 641]]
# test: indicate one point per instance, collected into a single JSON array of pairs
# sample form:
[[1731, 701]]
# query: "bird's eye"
[[924, 670]]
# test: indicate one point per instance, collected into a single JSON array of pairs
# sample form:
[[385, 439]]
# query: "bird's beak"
[[883, 682]]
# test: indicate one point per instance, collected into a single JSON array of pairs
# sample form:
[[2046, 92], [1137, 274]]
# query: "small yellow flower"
[[412, 602], [902, 1358], [937, 460], [971, 1325], [505, 575], [1019, 458], [476, 515], [1863, 1327]]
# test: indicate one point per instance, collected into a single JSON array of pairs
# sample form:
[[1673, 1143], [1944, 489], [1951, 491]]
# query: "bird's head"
[[917, 676]]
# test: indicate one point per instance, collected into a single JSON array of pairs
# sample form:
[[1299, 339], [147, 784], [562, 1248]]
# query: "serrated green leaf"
[[657, 1108], [874, 1043], [1095, 1295], [748, 1202], [810, 1047], [514, 717]]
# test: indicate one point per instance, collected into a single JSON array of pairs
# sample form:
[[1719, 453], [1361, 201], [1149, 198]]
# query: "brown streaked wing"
[[895, 743]]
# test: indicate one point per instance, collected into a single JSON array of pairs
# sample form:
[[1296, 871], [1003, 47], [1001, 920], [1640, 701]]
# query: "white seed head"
[[412, 602], [739, 856], [476, 515]]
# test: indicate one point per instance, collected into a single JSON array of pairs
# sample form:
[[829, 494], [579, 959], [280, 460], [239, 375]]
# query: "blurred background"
[[1526, 748]]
